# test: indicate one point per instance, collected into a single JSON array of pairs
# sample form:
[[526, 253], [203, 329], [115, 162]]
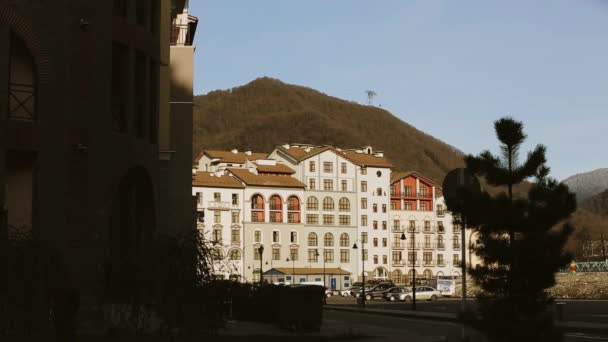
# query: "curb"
[[565, 326]]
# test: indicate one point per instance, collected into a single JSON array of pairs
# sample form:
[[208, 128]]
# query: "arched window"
[[312, 239], [276, 209], [455, 242], [328, 203], [344, 240], [23, 85], [235, 255], [293, 209], [216, 254], [410, 275], [398, 277], [440, 243], [344, 204], [257, 208], [312, 203], [328, 240], [428, 274]]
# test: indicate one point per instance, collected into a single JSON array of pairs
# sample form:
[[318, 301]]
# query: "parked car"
[[328, 292], [348, 292], [398, 294], [358, 291], [428, 293], [377, 291]]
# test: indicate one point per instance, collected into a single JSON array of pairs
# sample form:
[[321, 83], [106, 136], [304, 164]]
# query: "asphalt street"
[[405, 329], [595, 311]]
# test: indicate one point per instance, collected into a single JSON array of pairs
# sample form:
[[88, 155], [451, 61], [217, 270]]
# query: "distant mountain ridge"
[[267, 112], [597, 204], [588, 184]]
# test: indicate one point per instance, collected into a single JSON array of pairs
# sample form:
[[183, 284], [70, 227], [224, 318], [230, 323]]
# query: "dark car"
[[395, 294], [377, 291]]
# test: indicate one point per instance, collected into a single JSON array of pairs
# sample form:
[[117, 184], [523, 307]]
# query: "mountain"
[[597, 204], [588, 184], [267, 112]]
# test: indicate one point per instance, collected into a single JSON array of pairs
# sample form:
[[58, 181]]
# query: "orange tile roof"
[[278, 168], [229, 157], [205, 179], [252, 179], [396, 176], [362, 159]]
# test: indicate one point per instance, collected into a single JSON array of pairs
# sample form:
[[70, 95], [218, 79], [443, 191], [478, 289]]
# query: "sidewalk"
[[567, 326]]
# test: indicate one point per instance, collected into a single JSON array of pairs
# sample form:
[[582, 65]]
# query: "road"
[[405, 329], [595, 311]]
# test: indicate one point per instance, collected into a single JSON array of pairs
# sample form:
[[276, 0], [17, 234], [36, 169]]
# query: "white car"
[[427, 292], [346, 292]]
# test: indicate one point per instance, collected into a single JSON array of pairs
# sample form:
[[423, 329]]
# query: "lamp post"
[[403, 238], [317, 255], [362, 272], [293, 271], [261, 251]]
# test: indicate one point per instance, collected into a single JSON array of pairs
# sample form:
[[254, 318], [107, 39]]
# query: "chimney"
[[378, 154], [248, 152], [234, 150], [307, 149]]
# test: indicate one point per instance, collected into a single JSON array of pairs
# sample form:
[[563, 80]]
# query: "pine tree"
[[520, 240]]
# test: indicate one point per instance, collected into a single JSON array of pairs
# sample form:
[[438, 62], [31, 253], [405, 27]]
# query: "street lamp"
[[317, 255], [403, 238], [261, 251], [362, 272]]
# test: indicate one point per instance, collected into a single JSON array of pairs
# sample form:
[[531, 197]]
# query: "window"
[[440, 243], [199, 199], [396, 225], [427, 257], [276, 238], [408, 191], [423, 206], [293, 209], [313, 255], [344, 240], [344, 185], [456, 260], [235, 217], [328, 240], [312, 239], [384, 259], [364, 237], [363, 186], [397, 241], [344, 220], [440, 261], [427, 226], [344, 204], [257, 208], [375, 208], [293, 255], [456, 228], [217, 216], [217, 197], [328, 185], [217, 234], [455, 242], [328, 255], [276, 209], [312, 203], [312, 184], [397, 256], [120, 86], [235, 236], [375, 260], [256, 255], [311, 166], [440, 227], [411, 256], [440, 210], [328, 220], [364, 203], [384, 242], [378, 191], [364, 220], [393, 205], [328, 167], [257, 236], [383, 225], [344, 255], [235, 199], [375, 224], [235, 255], [364, 254], [364, 171], [408, 205], [276, 254], [412, 224], [293, 237], [375, 242], [312, 219], [384, 208], [328, 203], [423, 191]]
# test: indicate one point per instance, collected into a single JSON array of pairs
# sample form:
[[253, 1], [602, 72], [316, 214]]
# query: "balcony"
[[441, 263], [425, 195], [413, 264], [398, 263], [428, 230], [397, 229], [440, 213], [440, 230], [413, 246], [429, 246], [398, 246], [216, 205], [456, 247], [440, 246], [413, 229], [428, 263]]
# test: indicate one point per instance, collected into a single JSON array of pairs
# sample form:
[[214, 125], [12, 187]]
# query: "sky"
[[450, 68]]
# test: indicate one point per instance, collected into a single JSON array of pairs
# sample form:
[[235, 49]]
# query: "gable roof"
[[278, 168], [205, 179], [398, 175], [299, 154], [251, 179], [230, 157]]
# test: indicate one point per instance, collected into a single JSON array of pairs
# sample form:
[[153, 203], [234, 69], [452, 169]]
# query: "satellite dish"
[[458, 185]]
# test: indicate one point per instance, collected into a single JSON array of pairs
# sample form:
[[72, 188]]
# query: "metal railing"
[[590, 266], [22, 101]]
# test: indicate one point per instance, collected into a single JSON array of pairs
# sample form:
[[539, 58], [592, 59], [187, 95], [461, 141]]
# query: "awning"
[[305, 271]]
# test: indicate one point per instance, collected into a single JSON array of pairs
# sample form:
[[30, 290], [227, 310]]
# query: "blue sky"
[[450, 68]]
